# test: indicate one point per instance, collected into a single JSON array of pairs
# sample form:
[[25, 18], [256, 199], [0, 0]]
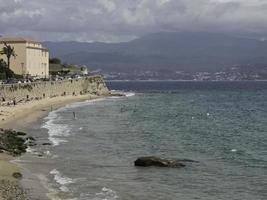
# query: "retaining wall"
[[40, 90]]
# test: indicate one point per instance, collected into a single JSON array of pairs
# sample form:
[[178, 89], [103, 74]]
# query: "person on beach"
[[74, 115]]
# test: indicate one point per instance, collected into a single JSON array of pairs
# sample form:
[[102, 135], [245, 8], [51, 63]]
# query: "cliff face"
[[26, 92]]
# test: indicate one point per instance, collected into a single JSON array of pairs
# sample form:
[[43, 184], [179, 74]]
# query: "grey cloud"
[[119, 20]]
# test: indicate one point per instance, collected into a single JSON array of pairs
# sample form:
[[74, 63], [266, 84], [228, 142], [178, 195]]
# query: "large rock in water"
[[158, 162]]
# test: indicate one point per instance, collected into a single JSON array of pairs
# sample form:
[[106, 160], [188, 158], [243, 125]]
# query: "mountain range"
[[165, 51]]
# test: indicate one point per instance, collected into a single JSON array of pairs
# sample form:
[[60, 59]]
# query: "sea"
[[221, 125]]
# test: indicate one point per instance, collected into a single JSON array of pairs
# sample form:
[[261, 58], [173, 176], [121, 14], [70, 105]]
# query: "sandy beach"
[[18, 117]]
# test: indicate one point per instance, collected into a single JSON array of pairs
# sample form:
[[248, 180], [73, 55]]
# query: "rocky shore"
[[12, 143]]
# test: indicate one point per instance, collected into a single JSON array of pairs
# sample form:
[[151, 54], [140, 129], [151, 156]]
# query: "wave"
[[62, 180], [30, 150], [129, 94], [52, 192], [56, 130], [106, 194], [83, 103], [125, 94]]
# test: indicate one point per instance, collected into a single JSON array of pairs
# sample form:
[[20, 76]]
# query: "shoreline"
[[19, 117]]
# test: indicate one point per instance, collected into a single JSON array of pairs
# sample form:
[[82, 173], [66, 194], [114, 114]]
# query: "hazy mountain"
[[165, 51]]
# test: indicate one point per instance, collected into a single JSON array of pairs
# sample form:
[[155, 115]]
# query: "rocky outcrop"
[[14, 142], [159, 162]]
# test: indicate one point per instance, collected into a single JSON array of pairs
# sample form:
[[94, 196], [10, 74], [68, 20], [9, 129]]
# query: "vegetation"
[[54, 61], [5, 72], [9, 52]]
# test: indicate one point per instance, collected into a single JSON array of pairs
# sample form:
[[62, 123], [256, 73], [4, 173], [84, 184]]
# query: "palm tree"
[[9, 52]]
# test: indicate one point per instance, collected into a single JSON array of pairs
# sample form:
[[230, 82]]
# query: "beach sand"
[[19, 117]]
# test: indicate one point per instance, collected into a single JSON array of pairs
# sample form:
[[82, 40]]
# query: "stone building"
[[32, 58]]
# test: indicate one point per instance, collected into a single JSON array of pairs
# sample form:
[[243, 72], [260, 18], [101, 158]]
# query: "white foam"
[[48, 153], [56, 131], [52, 192], [129, 94], [106, 194], [30, 150], [233, 150], [60, 179], [84, 103]]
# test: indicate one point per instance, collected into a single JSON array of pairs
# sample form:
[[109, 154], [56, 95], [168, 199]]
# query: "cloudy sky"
[[122, 20]]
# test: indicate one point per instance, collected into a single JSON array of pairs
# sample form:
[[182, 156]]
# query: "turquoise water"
[[225, 130]]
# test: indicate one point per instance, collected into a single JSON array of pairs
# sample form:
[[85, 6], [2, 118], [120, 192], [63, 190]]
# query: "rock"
[[30, 138], [158, 162], [31, 144], [14, 142], [21, 133], [47, 144], [17, 175]]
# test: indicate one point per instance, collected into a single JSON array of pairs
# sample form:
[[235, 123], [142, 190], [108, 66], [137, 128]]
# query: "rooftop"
[[17, 40]]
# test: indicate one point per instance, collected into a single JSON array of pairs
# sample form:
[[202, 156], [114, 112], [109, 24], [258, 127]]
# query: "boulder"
[[17, 175], [47, 144], [21, 133], [158, 162]]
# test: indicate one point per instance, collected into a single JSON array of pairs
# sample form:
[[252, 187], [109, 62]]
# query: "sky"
[[123, 20]]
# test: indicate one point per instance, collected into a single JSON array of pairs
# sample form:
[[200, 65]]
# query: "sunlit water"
[[222, 126]]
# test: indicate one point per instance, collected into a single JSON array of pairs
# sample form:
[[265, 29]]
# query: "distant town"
[[25, 60], [233, 73]]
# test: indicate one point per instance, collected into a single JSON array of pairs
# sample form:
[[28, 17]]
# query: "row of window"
[[34, 45], [37, 52], [37, 65], [42, 67]]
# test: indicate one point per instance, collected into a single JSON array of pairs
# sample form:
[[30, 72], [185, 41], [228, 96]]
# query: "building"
[[32, 58], [84, 70]]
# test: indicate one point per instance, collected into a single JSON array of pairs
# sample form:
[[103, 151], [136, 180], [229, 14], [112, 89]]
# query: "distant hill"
[[170, 51]]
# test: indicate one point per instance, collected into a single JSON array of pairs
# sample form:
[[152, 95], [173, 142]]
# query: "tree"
[[9, 52], [5, 72], [55, 61]]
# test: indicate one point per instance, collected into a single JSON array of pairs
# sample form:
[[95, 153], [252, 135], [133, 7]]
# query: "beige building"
[[32, 58]]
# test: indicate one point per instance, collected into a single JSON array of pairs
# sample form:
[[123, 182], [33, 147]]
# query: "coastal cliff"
[[39, 90]]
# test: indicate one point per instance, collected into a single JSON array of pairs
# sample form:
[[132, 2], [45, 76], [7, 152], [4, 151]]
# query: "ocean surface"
[[223, 125]]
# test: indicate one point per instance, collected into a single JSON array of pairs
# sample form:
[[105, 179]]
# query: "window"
[[22, 68]]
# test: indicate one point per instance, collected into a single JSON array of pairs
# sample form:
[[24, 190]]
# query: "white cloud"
[[107, 4], [115, 20]]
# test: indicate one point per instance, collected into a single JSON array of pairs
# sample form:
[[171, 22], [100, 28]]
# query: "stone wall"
[[25, 92]]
